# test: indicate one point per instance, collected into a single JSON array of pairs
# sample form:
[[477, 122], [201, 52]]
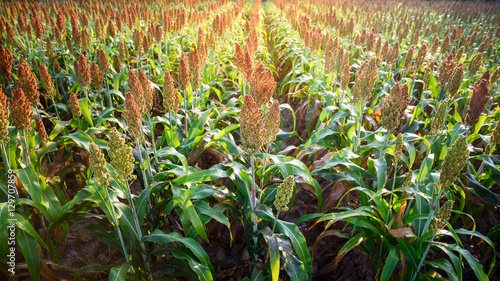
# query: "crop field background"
[[240, 140]]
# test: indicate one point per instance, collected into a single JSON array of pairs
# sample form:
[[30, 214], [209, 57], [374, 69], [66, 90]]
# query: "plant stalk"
[[117, 228]]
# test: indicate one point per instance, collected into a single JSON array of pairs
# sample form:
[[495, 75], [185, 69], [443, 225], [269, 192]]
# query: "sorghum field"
[[240, 140]]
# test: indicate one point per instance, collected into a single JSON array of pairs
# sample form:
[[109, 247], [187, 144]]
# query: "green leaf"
[[293, 266], [485, 238], [57, 129], [118, 273], [481, 192], [171, 151], [222, 133], [293, 233], [110, 237], [42, 196], [127, 224], [182, 200], [390, 264], [81, 139], [446, 266], [361, 211], [211, 174], [457, 263], [274, 258], [91, 268], [409, 253], [202, 271], [101, 198], [31, 251], [204, 208], [318, 136], [351, 244], [26, 226], [198, 125], [85, 108], [433, 85], [159, 236]]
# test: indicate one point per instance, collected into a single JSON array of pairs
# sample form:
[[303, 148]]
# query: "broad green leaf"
[[81, 139], [110, 237], [129, 227], [171, 151], [159, 236], [409, 253], [118, 273], [444, 265], [31, 251], [26, 226], [204, 208], [202, 271], [182, 200], [485, 238], [85, 108], [481, 192], [211, 174], [293, 233], [274, 258], [42, 196], [351, 244], [457, 263], [91, 268], [390, 264]]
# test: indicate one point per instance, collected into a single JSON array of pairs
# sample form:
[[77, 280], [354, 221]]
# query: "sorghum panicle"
[[97, 77], [480, 96], [409, 58], [83, 71], [262, 84], [46, 81], [439, 118], [98, 165], [137, 92], [486, 75], [346, 76], [40, 128], [419, 60], [117, 64], [132, 117], [170, 94], [398, 150], [121, 156], [184, 80], [446, 69], [271, 123], [443, 216], [445, 45], [251, 123], [248, 66], [495, 136], [195, 68], [102, 61], [85, 41], [474, 64], [456, 80], [123, 50], [27, 82], [284, 194], [6, 61], [4, 117], [74, 105], [21, 110], [146, 90], [454, 161]]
